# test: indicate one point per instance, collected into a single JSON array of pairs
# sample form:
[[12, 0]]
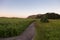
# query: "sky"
[[24, 8]]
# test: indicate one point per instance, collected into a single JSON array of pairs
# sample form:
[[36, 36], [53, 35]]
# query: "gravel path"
[[28, 34]]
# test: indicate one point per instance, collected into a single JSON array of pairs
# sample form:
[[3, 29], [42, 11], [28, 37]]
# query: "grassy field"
[[44, 31], [13, 26], [48, 31]]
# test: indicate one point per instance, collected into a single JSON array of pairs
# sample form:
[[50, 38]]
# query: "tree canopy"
[[50, 15]]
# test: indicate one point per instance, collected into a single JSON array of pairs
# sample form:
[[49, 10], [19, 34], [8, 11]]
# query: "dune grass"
[[10, 27], [48, 31]]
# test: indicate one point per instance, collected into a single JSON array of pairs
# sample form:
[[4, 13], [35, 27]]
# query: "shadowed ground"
[[28, 34]]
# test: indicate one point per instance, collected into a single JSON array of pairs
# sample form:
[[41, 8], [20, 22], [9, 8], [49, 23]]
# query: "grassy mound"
[[48, 31], [13, 26]]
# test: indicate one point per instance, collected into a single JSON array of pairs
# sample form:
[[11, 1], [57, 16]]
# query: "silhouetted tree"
[[32, 16], [50, 15]]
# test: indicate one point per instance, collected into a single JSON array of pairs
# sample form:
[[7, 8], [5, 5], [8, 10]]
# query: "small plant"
[[44, 18]]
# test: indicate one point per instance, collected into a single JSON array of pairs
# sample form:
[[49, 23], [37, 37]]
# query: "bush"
[[44, 19]]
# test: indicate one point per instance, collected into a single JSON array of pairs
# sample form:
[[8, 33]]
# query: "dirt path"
[[28, 34]]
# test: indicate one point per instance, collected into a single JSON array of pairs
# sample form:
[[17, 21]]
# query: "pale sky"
[[24, 8]]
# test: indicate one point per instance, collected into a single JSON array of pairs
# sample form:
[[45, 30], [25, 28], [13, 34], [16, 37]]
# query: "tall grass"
[[48, 31], [10, 27]]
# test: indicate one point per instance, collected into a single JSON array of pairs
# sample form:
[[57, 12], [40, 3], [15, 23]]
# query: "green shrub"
[[44, 19]]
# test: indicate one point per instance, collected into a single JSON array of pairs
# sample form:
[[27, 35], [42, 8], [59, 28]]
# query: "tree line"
[[50, 15]]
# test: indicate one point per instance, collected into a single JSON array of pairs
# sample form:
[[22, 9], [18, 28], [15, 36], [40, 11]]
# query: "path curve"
[[28, 34]]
